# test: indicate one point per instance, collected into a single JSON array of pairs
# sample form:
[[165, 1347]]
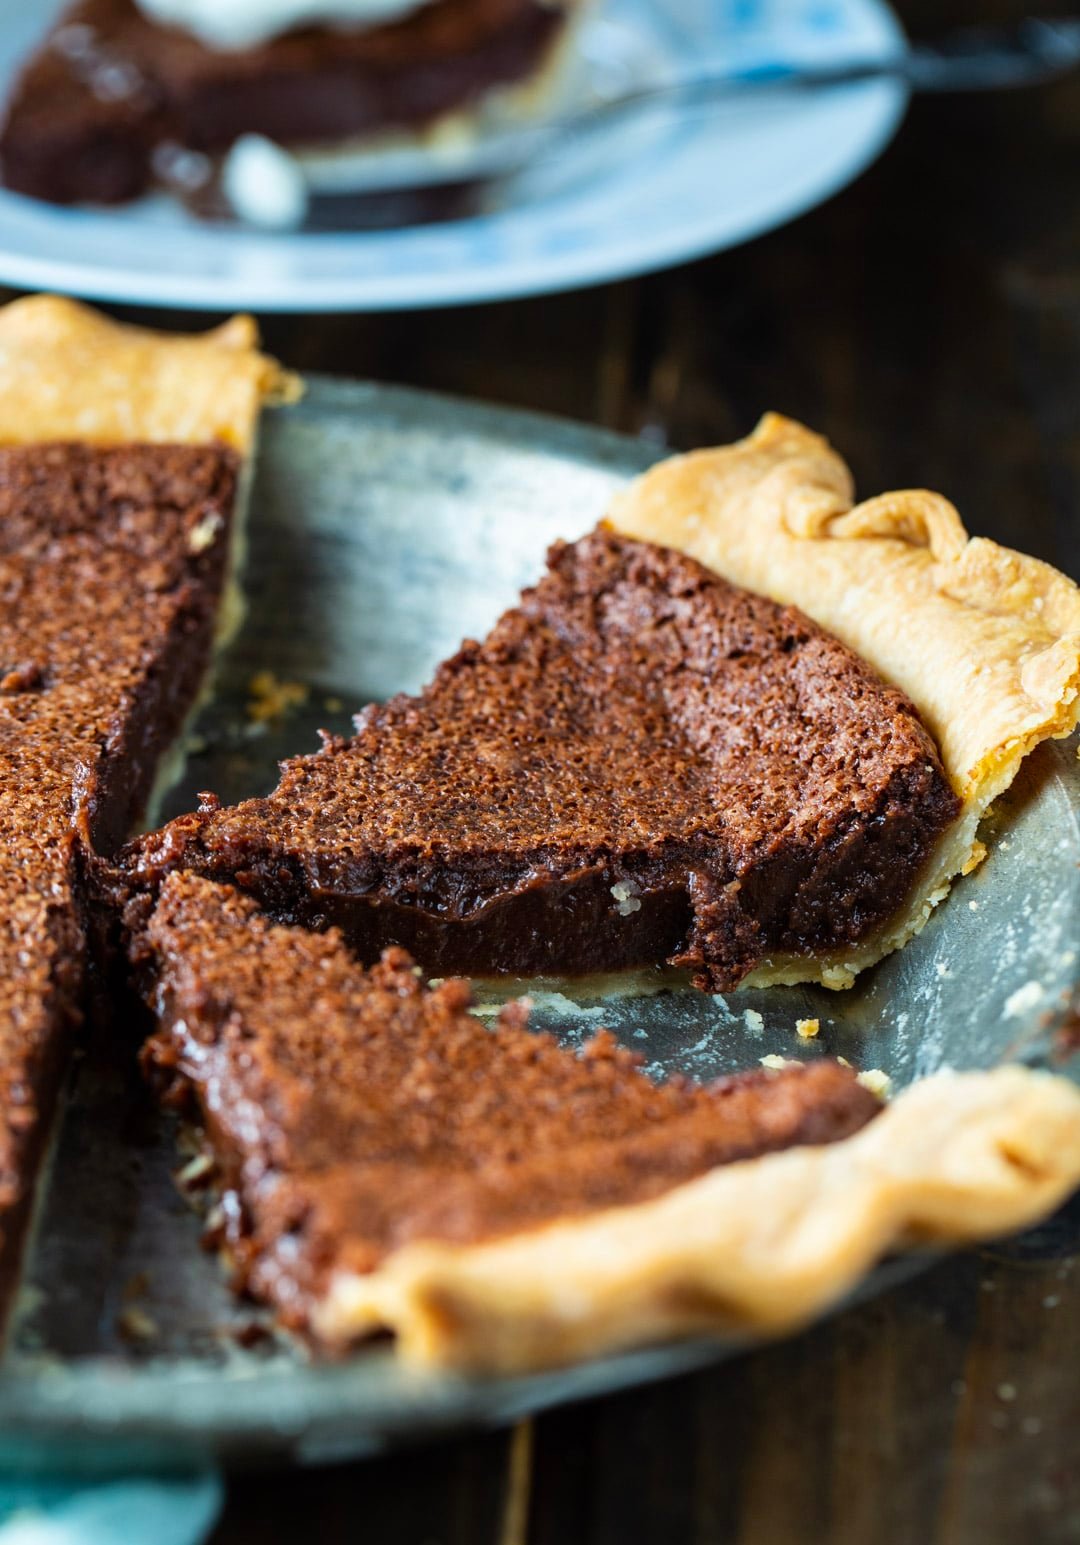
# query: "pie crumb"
[[877, 1081], [135, 1324], [272, 699], [975, 858], [195, 1173], [837, 977], [205, 534], [806, 1029], [1023, 1000], [773, 1060]]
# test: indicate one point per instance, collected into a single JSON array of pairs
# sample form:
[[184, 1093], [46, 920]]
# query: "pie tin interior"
[[386, 525]]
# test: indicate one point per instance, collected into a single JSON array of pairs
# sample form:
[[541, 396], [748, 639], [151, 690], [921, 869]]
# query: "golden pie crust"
[[70, 373]]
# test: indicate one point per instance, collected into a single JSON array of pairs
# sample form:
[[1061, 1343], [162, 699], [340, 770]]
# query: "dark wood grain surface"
[[928, 320]]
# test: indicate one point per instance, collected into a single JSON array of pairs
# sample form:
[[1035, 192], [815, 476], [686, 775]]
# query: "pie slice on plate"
[[387, 1161], [122, 458], [646, 763], [127, 95]]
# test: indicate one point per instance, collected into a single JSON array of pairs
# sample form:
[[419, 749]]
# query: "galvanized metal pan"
[[386, 526]]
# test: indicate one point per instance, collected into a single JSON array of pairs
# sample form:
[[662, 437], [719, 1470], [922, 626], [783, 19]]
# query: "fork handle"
[[970, 59]]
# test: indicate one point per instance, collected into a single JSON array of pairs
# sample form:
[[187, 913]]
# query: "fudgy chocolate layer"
[[109, 88], [352, 1112], [641, 763], [111, 565]]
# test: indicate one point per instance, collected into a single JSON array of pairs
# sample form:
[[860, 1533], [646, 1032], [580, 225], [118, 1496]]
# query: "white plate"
[[687, 187]]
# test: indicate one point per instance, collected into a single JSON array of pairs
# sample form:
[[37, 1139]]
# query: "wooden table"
[[928, 320]]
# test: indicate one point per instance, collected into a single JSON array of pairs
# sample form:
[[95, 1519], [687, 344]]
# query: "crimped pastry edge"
[[753, 1248], [69, 373]]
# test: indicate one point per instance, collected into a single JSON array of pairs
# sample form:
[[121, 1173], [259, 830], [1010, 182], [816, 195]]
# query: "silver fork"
[[420, 188]]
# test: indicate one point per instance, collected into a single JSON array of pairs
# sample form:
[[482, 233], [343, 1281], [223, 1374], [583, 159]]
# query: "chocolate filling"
[[108, 591], [641, 763], [108, 89], [352, 1112]]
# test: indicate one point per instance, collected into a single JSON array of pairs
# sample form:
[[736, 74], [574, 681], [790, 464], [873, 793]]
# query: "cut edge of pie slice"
[[93, 410], [984, 641], [401, 1194]]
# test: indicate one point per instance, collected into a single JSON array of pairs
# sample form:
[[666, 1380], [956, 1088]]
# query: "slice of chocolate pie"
[[641, 763], [124, 95], [121, 456], [645, 763], [352, 1112], [388, 1161]]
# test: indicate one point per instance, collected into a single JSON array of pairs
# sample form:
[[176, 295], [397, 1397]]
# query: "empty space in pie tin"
[[386, 525]]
